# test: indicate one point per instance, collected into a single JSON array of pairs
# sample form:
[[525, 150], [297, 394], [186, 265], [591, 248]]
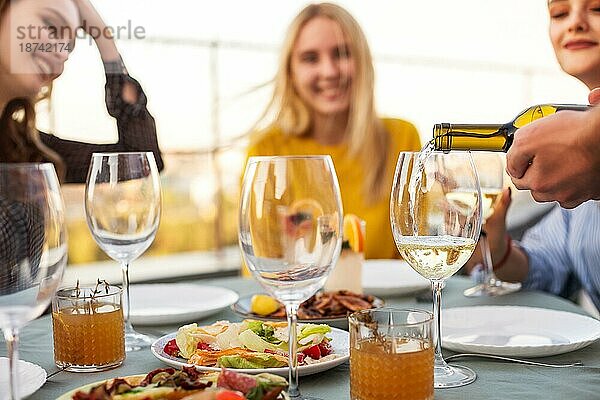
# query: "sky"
[[436, 61]]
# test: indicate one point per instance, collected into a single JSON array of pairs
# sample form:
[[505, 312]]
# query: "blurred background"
[[206, 69]]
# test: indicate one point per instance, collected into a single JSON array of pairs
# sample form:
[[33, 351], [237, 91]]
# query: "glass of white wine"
[[290, 226], [434, 234], [490, 169], [122, 206]]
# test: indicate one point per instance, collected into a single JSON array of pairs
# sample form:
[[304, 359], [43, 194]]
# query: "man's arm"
[[558, 157]]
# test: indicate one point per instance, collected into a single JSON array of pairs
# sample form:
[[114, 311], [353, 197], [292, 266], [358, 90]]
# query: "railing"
[[200, 200]]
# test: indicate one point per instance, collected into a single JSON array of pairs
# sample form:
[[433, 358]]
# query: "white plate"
[[340, 343], [391, 278], [31, 378], [86, 388], [516, 331], [160, 304]]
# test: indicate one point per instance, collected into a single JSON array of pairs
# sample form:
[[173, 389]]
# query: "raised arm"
[[125, 101]]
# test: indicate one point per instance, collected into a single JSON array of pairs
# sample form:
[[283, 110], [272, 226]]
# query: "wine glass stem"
[[488, 266], [126, 302], [437, 287], [11, 336], [292, 319]]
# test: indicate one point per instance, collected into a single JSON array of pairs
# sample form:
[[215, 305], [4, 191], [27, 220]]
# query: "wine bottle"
[[492, 137]]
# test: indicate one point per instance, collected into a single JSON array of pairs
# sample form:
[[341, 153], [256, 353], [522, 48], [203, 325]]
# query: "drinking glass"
[[88, 328], [434, 233], [122, 206], [290, 226], [396, 346], [33, 250], [490, 169]]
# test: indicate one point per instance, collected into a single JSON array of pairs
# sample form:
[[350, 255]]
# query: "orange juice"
[[87, 338], [400, 372]]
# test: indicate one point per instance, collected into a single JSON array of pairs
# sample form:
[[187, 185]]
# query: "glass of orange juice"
[[88, 328], [391, 354]]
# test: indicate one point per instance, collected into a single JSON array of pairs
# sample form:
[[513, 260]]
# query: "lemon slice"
[[310, 207], [262, 304], [304, 214], [353, 233]]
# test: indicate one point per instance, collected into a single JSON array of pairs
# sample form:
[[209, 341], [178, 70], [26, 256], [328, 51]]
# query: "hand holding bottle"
[[557, 157], [495, 228]]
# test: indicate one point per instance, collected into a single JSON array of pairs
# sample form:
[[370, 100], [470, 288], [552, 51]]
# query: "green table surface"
[[495, 380]]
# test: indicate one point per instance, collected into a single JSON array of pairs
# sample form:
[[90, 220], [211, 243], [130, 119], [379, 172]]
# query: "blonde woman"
[[323, 103]]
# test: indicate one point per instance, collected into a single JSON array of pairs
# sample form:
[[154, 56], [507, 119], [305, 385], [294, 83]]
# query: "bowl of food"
[[331, 308], [186, 384]]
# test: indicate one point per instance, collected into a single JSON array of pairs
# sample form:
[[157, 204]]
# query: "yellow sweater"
[[403, 137]]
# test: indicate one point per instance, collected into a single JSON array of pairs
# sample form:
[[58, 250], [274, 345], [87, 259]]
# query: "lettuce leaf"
[[266, 332], [264, 384], [312, 334], [253, 361], [252, 341]]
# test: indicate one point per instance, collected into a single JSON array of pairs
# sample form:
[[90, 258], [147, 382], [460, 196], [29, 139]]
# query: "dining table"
[[495, 379]]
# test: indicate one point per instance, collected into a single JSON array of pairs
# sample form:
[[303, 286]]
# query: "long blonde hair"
[[365, 134], [19, 138]]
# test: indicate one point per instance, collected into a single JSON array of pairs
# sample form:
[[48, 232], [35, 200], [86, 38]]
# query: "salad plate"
[[176, 384], [89, 386], [516, 331], [173, 303], [340, 344]]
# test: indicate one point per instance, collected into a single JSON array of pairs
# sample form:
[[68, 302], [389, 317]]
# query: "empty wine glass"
[[122, 206], [290, 226], [434, 233], [490, 169], [33, 250]]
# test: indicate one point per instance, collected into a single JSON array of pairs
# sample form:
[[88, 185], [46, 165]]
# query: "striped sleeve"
[[546, 246]]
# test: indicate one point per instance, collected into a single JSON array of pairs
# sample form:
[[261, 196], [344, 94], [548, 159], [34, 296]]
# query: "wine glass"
[[435, 234], [290, 226], [122, 206], [490, 169], [33, 250]]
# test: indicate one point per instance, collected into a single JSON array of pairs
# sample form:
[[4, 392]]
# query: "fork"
[[515, 360], [55, 373]]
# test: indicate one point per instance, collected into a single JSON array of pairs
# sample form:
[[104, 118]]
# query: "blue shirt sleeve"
[[546, 246]]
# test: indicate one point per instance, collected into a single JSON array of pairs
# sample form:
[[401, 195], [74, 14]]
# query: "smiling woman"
[[323, 103], [36, 38], [575, 37]]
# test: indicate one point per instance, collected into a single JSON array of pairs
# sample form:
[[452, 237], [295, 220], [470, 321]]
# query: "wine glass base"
[[498, 288], [452, 376], [135, 341]]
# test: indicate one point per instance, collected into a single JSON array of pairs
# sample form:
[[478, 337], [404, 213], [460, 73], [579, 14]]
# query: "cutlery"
[[55, 373], [515, 360]]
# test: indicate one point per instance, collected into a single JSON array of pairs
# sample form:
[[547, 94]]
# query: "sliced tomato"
[[171, 348], [229, 395], [325, 348], [203, 346], [300, 357], [313, 352]]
